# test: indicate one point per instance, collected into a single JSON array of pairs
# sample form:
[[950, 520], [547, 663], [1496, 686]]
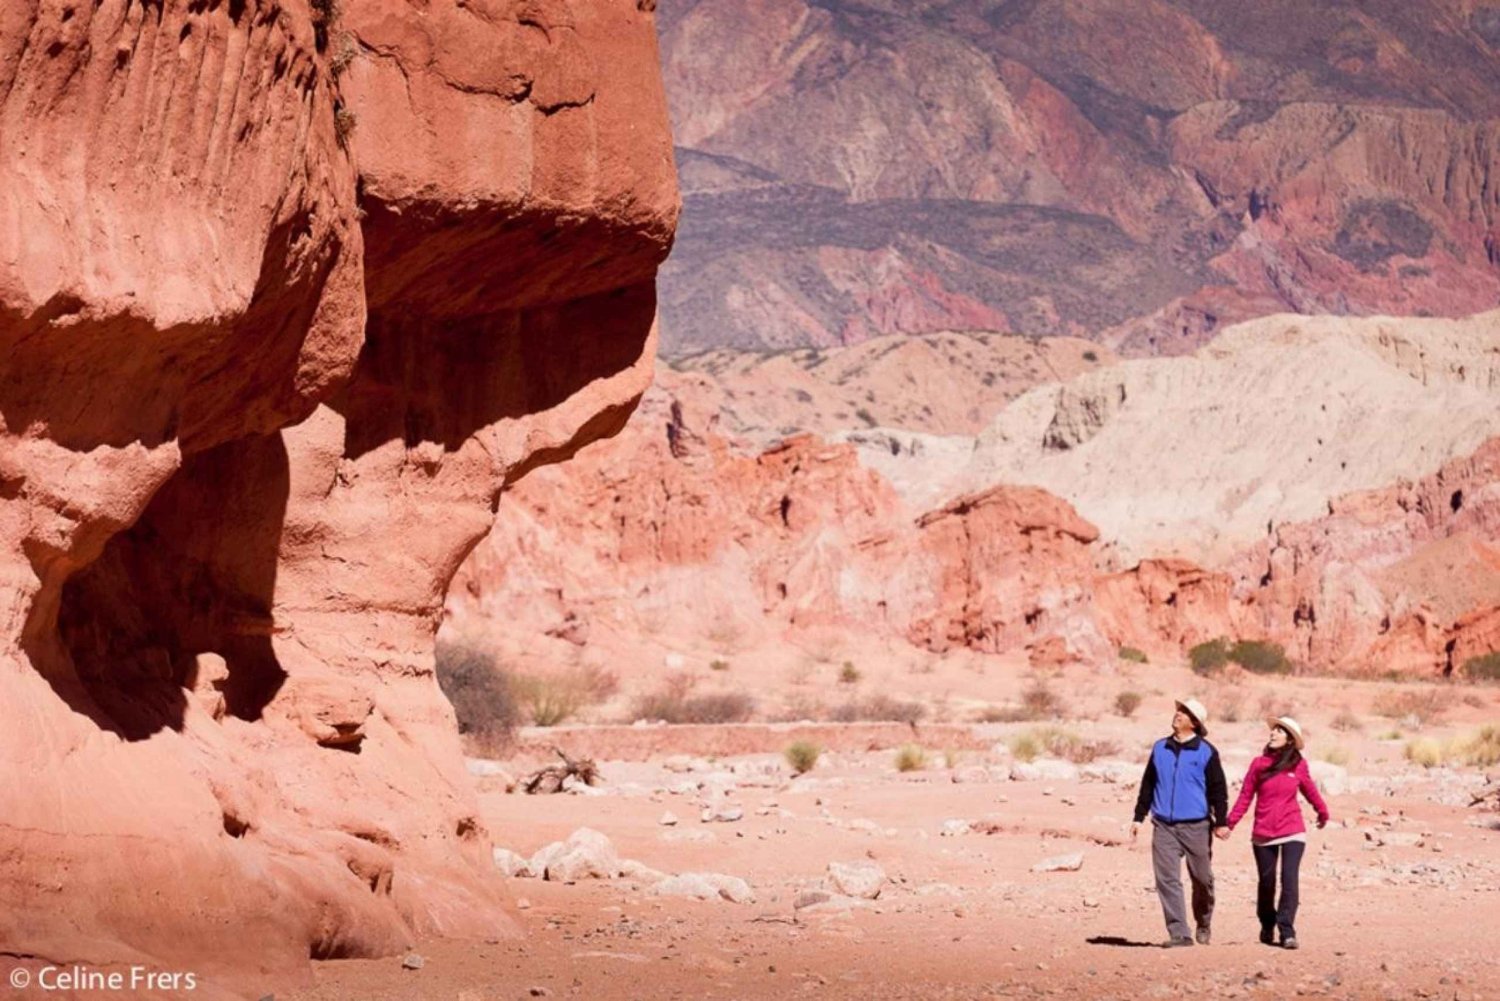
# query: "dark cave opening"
[[195, 574]]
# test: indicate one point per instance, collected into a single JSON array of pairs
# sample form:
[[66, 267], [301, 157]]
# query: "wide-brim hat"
[[1195, 709], [1292, 727]]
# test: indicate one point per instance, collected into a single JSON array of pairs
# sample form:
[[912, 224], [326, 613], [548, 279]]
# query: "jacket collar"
[[1191, 744]]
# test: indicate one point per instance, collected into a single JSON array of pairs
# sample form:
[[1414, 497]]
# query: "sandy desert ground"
[[1399, 892]]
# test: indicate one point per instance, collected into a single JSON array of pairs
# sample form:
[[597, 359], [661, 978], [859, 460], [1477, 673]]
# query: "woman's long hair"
[[1283, 760]]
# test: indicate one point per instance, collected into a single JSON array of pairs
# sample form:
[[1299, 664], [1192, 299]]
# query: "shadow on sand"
[[1122, 943]]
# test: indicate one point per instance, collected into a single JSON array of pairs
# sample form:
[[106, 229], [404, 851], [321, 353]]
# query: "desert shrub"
[[1391, 734], [1038, 702], [718, 665], [1336, 756], [1024, 746], [1041, 702], [674, 702], [802, 755], [878, 709], [344, 121], [848, 674], [1424, 751], [1059, 743], [910, 758], [479, 692], [1126, 703], [1133, 655], [720, 707], [1345, 721], [1482, 750], [1090, 356], [1210, 657], [1485, 668], [344, 54], [1260, 657], [951, 758], [554, 698], [1424, 705]]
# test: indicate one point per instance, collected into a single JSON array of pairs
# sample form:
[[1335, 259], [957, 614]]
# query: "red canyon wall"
[[284, 301], [677, 529]]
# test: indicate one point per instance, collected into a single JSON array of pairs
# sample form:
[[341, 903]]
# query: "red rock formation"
[[1015, 571], [248, 431], [1405, 578], [673, 529]]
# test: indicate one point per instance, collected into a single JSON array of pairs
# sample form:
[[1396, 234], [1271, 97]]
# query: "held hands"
[[1222, 833]]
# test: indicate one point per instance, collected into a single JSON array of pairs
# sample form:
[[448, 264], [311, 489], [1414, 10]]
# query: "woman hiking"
[[1279, 834]]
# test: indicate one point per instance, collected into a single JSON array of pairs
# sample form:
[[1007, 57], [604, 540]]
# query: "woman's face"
[[1278, 738]]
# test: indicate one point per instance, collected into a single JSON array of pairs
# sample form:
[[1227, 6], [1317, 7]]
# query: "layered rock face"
[[1145, 172], [1245, 492], [269, 350], [675, 529]]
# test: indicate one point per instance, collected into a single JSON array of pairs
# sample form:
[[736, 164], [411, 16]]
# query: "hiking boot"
[[1203, 935], [1268, 936], [1176, 942], [1290, 942]]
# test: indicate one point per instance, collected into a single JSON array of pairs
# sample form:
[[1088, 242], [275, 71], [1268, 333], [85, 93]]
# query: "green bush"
[[848, 674], [1208, 658], [802, 755], [1485, 668], [718, 665], [1126, 703], [1133, 655], [1260, 657]]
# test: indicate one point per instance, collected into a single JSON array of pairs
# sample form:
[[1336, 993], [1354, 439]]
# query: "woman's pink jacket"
[[1277, 812]]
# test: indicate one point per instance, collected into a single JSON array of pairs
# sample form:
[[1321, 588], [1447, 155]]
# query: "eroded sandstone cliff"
[[287, 294]]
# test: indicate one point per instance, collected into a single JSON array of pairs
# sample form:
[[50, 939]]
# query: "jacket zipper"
[[1176, 766]]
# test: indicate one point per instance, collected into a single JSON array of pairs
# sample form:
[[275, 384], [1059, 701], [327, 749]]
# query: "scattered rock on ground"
[[857, 879], [1060, 863]]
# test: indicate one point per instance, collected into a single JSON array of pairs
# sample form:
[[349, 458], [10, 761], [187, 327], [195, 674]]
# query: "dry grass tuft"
[[910, 758]]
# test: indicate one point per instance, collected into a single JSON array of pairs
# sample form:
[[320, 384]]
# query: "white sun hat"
[[1291, 726], [1195, 709]]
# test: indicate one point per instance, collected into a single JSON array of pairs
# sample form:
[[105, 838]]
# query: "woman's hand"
[[1222, 833], [1322, 822]]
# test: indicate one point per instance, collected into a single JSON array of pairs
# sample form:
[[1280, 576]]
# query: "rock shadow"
[[195, 574]]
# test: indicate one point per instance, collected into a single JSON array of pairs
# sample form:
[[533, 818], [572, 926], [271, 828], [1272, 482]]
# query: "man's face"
[[1181, 721]]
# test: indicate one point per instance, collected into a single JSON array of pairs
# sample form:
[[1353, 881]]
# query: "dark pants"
[[1170, 844], [1282, 916]]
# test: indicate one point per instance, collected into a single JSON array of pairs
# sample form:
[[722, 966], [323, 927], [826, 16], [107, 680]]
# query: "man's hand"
[[1135, 829], [1222, 833]]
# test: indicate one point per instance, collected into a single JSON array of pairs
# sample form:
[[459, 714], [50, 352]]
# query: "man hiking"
[[1185, 791]]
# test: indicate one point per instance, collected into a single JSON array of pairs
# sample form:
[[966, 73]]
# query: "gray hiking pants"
[[1170, 843]]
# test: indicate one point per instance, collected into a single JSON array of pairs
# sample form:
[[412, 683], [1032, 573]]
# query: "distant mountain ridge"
[[1140, 172]]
